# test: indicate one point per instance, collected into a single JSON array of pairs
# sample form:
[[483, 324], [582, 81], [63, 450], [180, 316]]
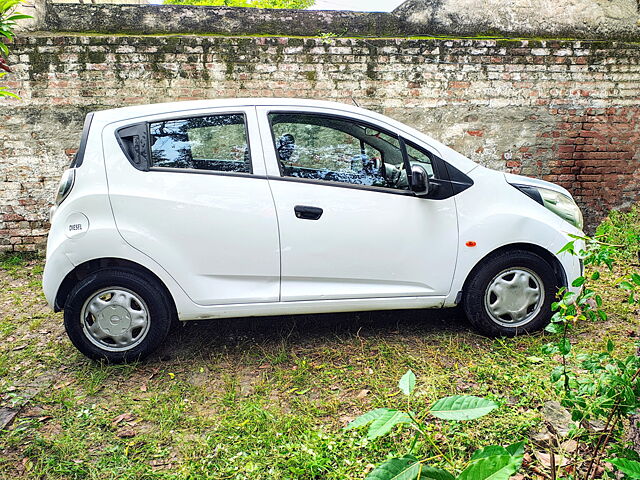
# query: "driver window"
[[328, 148]]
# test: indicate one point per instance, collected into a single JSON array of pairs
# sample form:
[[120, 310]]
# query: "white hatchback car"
[[250, 207]]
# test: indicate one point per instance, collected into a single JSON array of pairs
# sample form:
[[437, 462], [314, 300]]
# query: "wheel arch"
[[542, 252], [84, 269]]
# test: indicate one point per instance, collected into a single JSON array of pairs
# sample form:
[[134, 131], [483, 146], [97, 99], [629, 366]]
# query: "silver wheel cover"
[[514, 297], [115, 319]]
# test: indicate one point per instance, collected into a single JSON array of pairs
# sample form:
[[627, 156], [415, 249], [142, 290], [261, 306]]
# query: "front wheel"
[[117, 315], [511, 294]]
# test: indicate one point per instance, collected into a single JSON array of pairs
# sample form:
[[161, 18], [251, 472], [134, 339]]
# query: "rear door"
[[196, 201]]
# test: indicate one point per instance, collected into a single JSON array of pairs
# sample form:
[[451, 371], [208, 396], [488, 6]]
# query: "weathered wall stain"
[[567, 111]]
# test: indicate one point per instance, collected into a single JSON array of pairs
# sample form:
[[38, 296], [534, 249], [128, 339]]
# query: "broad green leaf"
[[407, 383], [501, 467], [383, 424], [516, 450], [636, 278], [433, 473], [595, 275], [569, 247], [494, 463], [564, 346], [578, 282], [554, 328], [628, 467], [461, 407], [366, 418], [598, 300], [404, 468], [603, 315], [490, 451]]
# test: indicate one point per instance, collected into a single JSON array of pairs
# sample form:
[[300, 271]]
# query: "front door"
[[349, 225]]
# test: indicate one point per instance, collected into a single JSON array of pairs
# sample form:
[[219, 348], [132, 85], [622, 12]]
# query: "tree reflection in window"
[[321, 147], [212, 142]]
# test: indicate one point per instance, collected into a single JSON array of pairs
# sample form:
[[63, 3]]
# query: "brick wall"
[[566, 111]]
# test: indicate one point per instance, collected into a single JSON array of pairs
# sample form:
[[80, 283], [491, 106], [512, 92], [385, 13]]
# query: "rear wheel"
[[511, 294], [117, 315]]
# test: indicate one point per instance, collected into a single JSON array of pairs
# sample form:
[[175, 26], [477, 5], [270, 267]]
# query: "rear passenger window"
[[212, 142]]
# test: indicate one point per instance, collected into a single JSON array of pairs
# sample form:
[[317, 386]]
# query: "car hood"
[[535, 182]]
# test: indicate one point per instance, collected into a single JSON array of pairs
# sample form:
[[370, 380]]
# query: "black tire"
[[155, 306], [478, 301]]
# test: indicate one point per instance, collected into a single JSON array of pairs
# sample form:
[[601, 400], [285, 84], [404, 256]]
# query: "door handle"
[[307, 213]]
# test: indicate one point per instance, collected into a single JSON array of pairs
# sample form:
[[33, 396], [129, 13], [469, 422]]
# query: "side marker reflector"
[[470, 244]]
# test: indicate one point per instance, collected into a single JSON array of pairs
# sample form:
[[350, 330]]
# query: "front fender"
[[508, 218]]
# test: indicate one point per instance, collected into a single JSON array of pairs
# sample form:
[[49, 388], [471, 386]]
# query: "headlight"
[[558, 203], [66, 184], [562, 206]]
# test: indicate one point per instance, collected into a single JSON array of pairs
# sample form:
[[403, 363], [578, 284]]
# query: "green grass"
[[623, 229], [262, 398], [12, 263]]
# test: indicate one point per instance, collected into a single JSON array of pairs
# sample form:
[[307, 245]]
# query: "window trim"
[[78, 158], [119, 138], [439, 170], [326, 183], [206, 172], [449, 180], [147, 126], [353, 186], [407, 164]]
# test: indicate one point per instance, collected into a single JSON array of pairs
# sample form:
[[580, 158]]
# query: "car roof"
[[126, 113]]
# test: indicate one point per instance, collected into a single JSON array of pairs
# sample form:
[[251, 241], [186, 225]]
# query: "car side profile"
[[253, 207]]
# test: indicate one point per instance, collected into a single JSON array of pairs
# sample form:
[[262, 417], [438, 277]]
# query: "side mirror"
[[419, 181]]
